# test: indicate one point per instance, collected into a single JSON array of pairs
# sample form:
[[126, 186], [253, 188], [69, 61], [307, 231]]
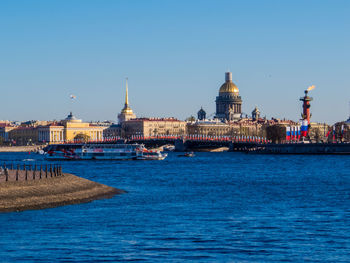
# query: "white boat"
[[92, 151], [152, 155]]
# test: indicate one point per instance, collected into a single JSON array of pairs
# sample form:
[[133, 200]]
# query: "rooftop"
[[155, 119]]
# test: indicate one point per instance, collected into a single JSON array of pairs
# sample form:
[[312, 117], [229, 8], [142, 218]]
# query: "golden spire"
[[126, 108], [126, 94]]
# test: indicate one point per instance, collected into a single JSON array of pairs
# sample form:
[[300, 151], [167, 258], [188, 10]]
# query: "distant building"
[[201, 114], [255, 114], [24, 135], [5, 128], [228, 103], [126, 113], [113, 131], [208, 128], [153, 127]]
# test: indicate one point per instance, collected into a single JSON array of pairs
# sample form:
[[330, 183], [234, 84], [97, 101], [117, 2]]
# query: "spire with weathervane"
[[126, 113]]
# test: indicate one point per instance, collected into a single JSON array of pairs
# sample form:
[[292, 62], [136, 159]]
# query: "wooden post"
[[51, 170], [46, 170], [6, 174], [26, 174], [41, 170], [34, 172], [17, 171]]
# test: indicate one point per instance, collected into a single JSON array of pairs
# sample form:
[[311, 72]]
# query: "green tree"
[[82, 137], [276, 133]]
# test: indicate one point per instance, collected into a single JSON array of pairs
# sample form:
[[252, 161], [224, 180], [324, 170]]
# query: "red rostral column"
[[306, 105]]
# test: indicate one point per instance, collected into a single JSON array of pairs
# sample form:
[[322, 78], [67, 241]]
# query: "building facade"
[[24, 135], [208, 128], [68, 130], [153, 127], [5, 129]]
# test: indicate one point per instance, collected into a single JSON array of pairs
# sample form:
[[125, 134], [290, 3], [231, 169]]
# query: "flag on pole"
[[304, 128], [287, 133]]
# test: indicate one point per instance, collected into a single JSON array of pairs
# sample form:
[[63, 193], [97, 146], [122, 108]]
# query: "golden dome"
[[229, 87], [127, 110]]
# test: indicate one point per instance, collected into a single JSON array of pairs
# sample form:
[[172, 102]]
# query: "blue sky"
[[175, 54]]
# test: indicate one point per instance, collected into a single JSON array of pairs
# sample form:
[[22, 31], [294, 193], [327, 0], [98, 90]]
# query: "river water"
[[226, 207]]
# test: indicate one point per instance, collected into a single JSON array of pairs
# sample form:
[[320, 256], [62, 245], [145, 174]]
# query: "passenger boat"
[[152, 155], [92, 151]]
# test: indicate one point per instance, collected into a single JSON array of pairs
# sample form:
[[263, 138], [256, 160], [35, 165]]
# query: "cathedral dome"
[[229, 86]]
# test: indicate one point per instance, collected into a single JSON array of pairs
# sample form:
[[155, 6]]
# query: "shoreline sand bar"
[[51, 192]]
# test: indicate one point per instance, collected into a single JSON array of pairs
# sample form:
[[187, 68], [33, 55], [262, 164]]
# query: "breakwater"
[[302, 148], [38, 187]]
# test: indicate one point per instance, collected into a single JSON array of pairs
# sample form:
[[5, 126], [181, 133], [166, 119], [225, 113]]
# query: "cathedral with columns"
[[228, 103]]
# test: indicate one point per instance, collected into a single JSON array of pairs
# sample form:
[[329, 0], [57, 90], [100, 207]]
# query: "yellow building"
[[70, 129]]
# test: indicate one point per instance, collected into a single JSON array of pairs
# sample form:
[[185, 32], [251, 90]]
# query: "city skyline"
[[175, 55]]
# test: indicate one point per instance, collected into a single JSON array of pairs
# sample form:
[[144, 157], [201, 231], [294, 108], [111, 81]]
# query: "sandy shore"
[[20, 148], [51, 192]]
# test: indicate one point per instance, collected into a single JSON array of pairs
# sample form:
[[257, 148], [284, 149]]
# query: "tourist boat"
[[92, 151], [152, 155]]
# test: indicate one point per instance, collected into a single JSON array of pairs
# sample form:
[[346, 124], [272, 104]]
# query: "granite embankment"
[[47, 192], [20, 148]]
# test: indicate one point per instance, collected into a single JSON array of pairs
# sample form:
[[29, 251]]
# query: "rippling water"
[[227, 207]]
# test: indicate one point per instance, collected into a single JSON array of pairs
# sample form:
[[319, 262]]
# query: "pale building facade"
[[208, 128], [153, 127]]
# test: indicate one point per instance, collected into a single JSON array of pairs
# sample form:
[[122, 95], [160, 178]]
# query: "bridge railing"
[[201, 138]]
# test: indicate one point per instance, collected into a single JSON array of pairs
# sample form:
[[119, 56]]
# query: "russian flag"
[[288, 133], [304, 127]]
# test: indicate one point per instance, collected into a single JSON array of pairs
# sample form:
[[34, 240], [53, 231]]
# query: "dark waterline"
[[213, 207]]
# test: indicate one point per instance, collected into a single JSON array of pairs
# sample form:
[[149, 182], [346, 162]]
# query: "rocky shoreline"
[[51, 192]]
